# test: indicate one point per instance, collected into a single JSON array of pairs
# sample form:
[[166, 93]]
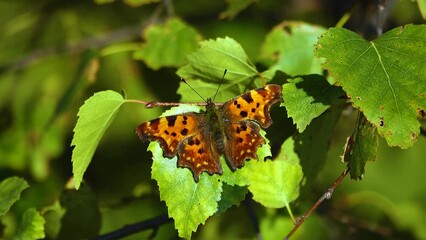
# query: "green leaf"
[[31, 226], [234, 7], [275, 226], [231, 195], [188, 203], [10, 192], [289, 46], [53, 215], [385, 78], [241, 176], [207, 90], [167, 45], [363, 147], [213, 57], [276, 183], [206, 67], [422, 7], [307, 97], [95, 116], [312, 145]]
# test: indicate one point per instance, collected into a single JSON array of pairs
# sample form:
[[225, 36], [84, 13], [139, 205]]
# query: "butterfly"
[[232, 129]]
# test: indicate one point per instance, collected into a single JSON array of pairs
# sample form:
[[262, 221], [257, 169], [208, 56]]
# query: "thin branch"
[[381, 7], [169, 104], [94, 42], [128, 230], [169, 8], [327, 195]]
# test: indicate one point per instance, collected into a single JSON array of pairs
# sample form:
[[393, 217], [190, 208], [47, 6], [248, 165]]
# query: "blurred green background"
[[55, 54]]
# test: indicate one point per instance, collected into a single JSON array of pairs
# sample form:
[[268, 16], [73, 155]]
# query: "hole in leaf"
[[381, 122], [413, 136]]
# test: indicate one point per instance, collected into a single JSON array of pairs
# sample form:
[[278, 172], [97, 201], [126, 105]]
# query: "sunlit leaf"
[[213, 57], [206, 67], [384, 78], [207, 90], [307, 97], [186, 199], [31, 226], [241, 177], [167, 45], [422, 7], [276, 183], [289, 47], [10, 192], [188, 203], [95, 116]]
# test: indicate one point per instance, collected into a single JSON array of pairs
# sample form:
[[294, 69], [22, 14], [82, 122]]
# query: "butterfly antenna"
[[221, 81], [183, 80]]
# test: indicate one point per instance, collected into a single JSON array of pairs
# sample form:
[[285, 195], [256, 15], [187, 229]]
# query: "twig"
[[95, 42], [169, 104], [128, 230], [169, 8], [381, 7], [327, 195]]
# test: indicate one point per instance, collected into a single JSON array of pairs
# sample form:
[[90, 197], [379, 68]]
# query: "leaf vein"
[[388, 80]]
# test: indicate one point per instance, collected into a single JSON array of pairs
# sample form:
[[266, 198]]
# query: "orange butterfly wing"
[[184, 135], [190, 135], [169, 131], [198, 154], [253, 105], [240, 113]]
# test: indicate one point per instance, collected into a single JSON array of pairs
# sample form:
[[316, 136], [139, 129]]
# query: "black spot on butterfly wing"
[[247, 97], [243, 114], [171, 120]]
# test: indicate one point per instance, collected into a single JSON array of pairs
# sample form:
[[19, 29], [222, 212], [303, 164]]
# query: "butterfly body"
[[199, 139]]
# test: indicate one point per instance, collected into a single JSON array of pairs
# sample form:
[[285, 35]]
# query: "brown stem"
[[169, 104], [327, 195]]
